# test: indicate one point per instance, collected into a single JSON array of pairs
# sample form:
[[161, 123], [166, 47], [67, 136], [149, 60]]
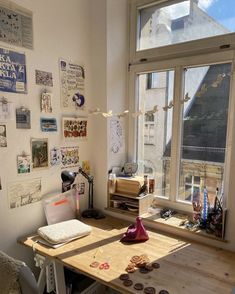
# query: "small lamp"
[[68, 179]]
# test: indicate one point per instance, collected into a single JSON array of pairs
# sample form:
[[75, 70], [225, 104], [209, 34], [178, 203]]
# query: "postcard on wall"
[[46, 102], [117, 141], [80, 187], [43, 78], [23, 164], [69, 156], [13, 78], [23, 118], [3, 136], [39, 151], [74, 128], [6, 110], [24, 192], [48, 124], [72, 85], [55, 156], [16, 27]]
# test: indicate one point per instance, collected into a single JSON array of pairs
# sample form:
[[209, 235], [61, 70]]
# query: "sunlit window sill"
[[172, 225]]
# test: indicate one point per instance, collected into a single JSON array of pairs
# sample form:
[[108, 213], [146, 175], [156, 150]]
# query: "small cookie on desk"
[[128, 283], [138, 286], [124, 277], [149, 290]]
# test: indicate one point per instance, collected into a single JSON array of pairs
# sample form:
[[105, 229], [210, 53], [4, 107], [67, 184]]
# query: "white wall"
[[61, 29]]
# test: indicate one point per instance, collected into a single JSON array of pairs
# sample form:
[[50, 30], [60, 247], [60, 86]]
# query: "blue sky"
[[221, 10]]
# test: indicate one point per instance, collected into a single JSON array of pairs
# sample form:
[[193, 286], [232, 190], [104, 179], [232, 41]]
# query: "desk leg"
[[59, 278]]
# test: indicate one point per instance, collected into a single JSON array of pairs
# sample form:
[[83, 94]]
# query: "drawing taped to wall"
[[24, 192], [16, 28], [74, 128], [55, 156], [3, 136], [48, 124], [72, 85], [43, 78], [69, 156], [23, 164], [39, 151], [13, 78], [23, 118], [46, 102], [116, 136]]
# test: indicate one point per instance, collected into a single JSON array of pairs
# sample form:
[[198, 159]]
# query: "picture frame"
[[39, 153]]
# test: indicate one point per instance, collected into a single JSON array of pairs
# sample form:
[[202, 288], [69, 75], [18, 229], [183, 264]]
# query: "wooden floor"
[[185, 267]]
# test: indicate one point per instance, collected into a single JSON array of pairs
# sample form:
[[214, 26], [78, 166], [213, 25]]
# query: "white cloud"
[[204, 4]]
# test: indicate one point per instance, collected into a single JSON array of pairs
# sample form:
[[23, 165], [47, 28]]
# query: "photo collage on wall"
[[40, 154]]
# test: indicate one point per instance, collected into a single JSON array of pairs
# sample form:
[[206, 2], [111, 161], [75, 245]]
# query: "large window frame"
[[178, 65], [205, 45]]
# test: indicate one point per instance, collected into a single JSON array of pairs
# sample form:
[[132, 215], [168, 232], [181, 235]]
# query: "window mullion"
[[176, 134]]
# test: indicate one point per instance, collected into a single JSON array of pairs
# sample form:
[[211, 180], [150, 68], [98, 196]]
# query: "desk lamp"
[[68, 179]]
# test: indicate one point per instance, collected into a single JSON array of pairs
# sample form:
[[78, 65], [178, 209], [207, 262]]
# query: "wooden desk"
[[185, 267]]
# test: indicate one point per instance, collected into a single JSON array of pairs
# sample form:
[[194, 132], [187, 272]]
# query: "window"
[[165, 23], [184, 145]]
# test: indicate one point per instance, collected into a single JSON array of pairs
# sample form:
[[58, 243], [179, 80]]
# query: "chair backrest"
[[27, 281], [16, 277]]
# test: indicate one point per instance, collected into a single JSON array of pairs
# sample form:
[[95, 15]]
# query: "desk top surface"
[[185, 267]]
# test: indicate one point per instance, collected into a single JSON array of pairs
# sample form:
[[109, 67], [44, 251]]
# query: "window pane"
[[154, 130], [185, 21], [205, 113]]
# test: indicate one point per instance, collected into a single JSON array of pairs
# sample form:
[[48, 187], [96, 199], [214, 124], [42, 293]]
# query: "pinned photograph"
[[39, 150], [24, 192], [23, 118], [69, 156], [48, 124], [74, 128], [55, 156], [81, 188], [3, 136], [46, 102], [23, 164], [43, 78]]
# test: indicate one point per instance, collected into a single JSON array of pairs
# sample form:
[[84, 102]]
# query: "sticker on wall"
[[72, 85], [16, 27], [23, 164], [48, 124], [74, 128], [3, 136], [55, 156], [43, 78], [69, 156], [24, 192], [39, 151], [23, 118], [116, 136], [13, 78]]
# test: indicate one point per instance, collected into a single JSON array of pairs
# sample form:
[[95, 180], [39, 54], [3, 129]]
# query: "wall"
[[61, 29]]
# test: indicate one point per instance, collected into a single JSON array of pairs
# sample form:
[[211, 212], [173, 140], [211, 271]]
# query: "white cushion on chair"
[[64, 231]]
